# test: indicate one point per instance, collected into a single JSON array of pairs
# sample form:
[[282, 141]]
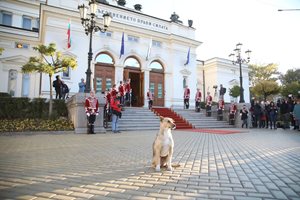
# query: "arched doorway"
[[133, 72], [157, 83], [104, 72]]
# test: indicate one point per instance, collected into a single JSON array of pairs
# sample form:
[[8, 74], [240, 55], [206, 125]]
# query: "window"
[[152, 85], [25, 85], [106, 34], [132, 62], [98, 85], [104, 58], [66, 74], [12, 82], [156, 66], [6, 18], [133, 38], [159, 90], [108, 84], [156, 43], [26, 22]]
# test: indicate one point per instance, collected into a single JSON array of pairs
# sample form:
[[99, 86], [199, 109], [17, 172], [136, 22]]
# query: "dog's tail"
[[175, 165]]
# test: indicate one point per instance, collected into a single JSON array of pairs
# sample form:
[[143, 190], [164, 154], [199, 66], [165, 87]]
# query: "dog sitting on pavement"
[[163, 145]]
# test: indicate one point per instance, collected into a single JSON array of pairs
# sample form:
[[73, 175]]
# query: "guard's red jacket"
[[150, 95], [127, 87], [198, 96], [233, 109], [91, 105], [186, 93], [221, 104], [121, 90], [208, 100]]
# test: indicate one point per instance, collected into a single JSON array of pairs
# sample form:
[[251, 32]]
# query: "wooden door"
[[104, 77], [157, 88]]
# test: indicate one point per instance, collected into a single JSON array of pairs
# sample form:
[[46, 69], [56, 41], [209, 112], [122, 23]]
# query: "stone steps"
[[199, 119]]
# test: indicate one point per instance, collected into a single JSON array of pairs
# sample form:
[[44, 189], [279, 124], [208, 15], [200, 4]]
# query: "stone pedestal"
[[77, 114]]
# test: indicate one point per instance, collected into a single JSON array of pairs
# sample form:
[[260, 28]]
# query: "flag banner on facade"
[[122, 46], [149, 50], [69, 34], [188, 57]]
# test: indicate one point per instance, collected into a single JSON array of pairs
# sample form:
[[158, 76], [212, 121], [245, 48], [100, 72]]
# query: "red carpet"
[[214, 131], [166, 112]]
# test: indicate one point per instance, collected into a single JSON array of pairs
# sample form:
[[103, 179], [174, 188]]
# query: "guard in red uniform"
[[91, 109], [198, 100], [150, 99], [232, 112], [208, 103], [128, 92], [121, 89], [114, 91], [186, 97], [220, 109]]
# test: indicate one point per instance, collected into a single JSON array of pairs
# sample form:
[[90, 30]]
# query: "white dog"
[[163, 145]]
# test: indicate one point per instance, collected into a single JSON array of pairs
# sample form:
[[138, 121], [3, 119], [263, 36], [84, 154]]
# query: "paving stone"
[[251, 165]]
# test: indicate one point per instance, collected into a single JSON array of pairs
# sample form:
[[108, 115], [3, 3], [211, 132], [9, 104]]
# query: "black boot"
[[92, 129]]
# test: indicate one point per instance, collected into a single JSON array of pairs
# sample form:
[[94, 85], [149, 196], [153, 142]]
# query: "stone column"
[[146, 86], [77, 115]]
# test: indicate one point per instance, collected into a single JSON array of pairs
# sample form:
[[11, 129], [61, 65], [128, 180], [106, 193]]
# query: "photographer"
[[116, 112]]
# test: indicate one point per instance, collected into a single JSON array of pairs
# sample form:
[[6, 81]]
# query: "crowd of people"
[[285, 113]]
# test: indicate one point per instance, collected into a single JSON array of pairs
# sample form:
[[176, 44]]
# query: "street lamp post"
[[239, 60], [90, 26]]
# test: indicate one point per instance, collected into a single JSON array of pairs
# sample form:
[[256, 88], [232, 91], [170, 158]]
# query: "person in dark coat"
[[273, 112], [285, 114], [257, 111], [57, 84], [244, 116]]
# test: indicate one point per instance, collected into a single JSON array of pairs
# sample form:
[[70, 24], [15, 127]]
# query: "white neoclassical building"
[[25, 24]]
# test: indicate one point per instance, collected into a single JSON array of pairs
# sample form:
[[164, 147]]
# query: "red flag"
[[69, 34]]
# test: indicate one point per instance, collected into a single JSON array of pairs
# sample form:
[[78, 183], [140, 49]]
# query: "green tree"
[[292, 75], [234, 91], [291, 88], [49, 61], [265, 88], [1, 50], [259, 73]]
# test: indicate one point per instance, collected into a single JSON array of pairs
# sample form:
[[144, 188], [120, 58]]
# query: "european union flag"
[[122, 46], [188, 57]]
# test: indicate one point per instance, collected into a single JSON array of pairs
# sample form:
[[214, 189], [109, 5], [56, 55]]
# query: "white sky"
[[272, 36]]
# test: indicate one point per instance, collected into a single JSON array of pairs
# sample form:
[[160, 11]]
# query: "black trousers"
[[186, 103], [91, 121]]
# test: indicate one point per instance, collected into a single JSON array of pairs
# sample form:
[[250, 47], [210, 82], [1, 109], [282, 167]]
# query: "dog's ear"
[[161, 118]]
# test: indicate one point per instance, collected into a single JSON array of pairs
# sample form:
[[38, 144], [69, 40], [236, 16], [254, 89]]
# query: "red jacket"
[[198, 96], [121, 90], [208, 100], [186, 93], [127, 87], [91, 105], [114, 104], [150, 95]]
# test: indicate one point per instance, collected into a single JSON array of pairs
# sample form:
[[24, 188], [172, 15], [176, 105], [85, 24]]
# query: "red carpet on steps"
[[214, 131], [166, 112]]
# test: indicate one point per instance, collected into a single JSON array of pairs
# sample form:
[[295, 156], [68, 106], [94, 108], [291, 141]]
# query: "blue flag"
[[188, 57], [122, 46]]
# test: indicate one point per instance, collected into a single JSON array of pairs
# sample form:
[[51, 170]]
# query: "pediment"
[[18, 59], [70, 54]]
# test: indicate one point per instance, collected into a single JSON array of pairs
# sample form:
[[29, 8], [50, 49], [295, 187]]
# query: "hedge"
[[25, 108]]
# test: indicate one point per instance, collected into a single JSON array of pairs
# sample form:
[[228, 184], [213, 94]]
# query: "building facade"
[[158, 54]]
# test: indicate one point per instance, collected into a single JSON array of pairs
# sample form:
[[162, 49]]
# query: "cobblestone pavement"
[[254, 164]]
